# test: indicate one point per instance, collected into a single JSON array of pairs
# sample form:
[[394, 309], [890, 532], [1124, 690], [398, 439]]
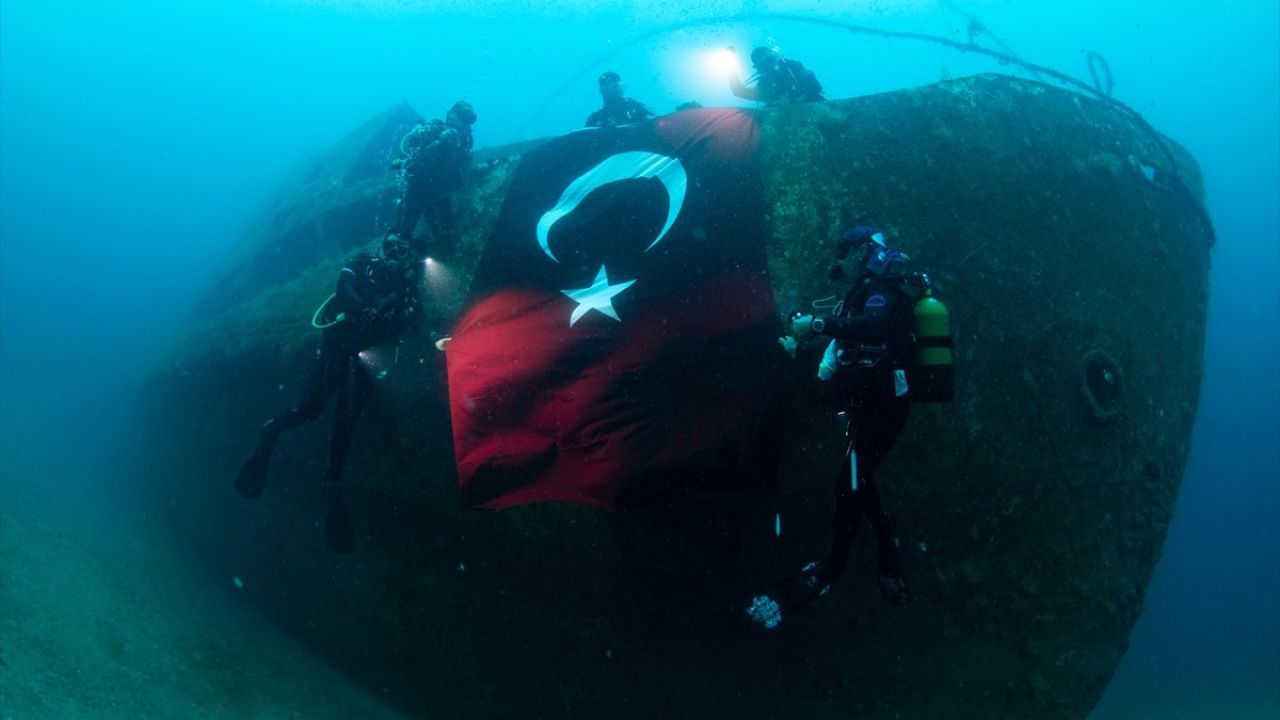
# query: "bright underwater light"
[[439, 281], [722, 62]]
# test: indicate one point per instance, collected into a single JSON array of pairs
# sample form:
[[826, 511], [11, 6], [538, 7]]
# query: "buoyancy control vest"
[[914, 355]]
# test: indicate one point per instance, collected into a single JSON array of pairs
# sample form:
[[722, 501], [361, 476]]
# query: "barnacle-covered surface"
[[1051, 226], [1034, 518]]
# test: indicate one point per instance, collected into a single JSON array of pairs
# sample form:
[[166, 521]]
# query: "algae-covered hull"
[[1075, 264]]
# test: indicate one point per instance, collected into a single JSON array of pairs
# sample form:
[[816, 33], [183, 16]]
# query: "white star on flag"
[[597, 297]]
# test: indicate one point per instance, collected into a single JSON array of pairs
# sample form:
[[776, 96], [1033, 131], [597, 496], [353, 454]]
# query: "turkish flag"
[[618, 346]]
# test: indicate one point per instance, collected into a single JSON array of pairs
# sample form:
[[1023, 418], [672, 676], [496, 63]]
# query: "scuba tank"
[[932, 374]]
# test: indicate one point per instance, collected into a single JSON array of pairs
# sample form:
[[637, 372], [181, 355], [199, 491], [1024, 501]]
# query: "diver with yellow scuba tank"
[[376, 298], [890, 345]]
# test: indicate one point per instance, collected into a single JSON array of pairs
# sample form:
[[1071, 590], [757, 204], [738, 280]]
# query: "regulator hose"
[[315, 318]]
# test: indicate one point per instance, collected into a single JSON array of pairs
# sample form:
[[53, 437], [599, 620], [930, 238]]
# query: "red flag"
[[619, 343]]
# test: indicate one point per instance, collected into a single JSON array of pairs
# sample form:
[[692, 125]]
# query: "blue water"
[[137, 139]]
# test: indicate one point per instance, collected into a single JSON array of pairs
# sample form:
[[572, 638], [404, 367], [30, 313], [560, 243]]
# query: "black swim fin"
[[339, 533], [788, 595], [892, 575], [253, 474]]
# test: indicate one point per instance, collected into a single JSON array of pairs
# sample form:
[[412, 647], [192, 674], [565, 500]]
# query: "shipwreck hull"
[[1062, 235]]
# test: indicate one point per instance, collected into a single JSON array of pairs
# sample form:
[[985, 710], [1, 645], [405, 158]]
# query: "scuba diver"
[[778, 81], [866, 361], [436, 155], [375, 299], [618, 109]]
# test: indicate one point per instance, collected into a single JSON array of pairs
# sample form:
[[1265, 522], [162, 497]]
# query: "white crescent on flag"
[[623, 166]]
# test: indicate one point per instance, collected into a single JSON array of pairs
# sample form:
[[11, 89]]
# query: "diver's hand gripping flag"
[[619, 342]]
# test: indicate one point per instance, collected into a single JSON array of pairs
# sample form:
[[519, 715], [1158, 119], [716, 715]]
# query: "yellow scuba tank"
[[933, 377]]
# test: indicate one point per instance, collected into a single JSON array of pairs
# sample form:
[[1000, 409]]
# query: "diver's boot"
[[891, 575], [253, 474], [339, 534]]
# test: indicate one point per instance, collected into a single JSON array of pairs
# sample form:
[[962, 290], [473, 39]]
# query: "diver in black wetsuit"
[[437, 154], [778, 80], [871, 344], [376, 298], [618, 109]]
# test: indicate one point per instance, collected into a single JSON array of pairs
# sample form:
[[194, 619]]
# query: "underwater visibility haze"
[[1091, 528]]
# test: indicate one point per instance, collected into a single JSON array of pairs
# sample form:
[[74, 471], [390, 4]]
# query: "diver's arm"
[[450, 146], [425, 135], [400, 296], [411, 314], [870, 325], [413, 140], [742, 91], [426, 148], [348, 297], [403, 307]]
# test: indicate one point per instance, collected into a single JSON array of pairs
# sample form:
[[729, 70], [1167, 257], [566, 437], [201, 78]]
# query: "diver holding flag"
[[617, 109], [778, 80], [883, 341]]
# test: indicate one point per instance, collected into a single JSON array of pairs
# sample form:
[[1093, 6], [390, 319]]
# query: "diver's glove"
[[802, 326], [895, 589], [788, 344]]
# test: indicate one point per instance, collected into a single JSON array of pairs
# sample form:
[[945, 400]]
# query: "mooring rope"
[[1100, 89], [1104, 84]]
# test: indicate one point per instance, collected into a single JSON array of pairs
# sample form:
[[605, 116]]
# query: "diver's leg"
[[441, 220], [873, 430], [321, 382], [878, 430], [353, 396], [845, 520], [873, 445], [891, 572], [411, 207], [877, 427], [816, 578]]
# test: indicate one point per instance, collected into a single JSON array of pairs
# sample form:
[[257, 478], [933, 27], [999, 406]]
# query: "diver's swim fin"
[[253, 474], [782, 598], [339, 534], [892, 575]]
